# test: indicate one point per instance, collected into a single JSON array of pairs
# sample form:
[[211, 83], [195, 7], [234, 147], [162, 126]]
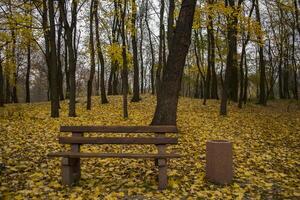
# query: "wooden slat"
[[116, 140], [111, 155], [120, 129]]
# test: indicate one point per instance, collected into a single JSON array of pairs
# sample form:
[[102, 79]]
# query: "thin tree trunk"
[[262, 68], [141, 46], [124, 69], [67, 72], [152, 51], [7, 91], [1, 84], [161, 48], [136, 88], [167, 96], [27, 82], [52, 61], [100, 56], [59, 65], [245, 96], [69, 29], [92, 57]]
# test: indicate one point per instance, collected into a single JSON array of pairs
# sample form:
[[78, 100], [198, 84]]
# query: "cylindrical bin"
[[219, 164]]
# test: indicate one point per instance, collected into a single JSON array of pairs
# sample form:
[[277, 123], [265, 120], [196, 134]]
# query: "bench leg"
[[162, 174], [67, 172], [76, 169]]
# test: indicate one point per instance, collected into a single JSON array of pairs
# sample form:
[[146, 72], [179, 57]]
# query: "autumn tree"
[[167, 96]]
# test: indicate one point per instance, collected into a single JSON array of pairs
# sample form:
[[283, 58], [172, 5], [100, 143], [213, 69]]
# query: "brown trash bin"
[[219, 164]]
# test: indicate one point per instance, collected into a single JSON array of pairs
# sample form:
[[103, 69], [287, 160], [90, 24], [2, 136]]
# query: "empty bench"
[[70, 165]]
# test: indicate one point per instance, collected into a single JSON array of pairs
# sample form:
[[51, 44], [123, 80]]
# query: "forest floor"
[[266, 143]]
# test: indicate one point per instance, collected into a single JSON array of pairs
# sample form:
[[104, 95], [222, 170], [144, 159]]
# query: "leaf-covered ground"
[[266, 152]]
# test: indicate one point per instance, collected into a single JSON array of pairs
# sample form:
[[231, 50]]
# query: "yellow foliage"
[[114, 52], [265, 141]]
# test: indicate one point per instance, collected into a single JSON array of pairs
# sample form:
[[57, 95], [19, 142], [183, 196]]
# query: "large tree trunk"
[[167, 96], [136, 88], [100, 56], [92, 56], [53, 64]]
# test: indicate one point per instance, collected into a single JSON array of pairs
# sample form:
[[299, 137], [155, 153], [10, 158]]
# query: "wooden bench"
[[70, 165]]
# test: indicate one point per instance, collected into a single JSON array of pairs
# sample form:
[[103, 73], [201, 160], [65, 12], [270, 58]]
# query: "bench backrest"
[[79, 130], [119, 129]]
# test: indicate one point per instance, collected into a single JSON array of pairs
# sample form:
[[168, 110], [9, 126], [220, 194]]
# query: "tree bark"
[[152, 51], [69, 29], [100, 56], [243, 57], [211, 56], [167, 96], [92, 59], [27, 81], [170, 31], [136, 88], [232, 52], [59, 65], [161, 46], [141, 45], [124, 69], [1, 84], [262, 68], [53, 64]]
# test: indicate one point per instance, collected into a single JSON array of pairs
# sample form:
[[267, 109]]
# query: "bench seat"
[[111, 155]]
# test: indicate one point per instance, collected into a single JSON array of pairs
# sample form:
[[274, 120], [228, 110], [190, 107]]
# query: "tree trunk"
[[231, 75], [69, 29], [100, 56], [1, 84], [67, 72], [170, 22], [167, 96], [262, 68], [53, 64], [152, 51], [136, 88], [27, 82], [141, 46], [92, 56], [59, 65], [232, 53], [7, 91], [124, 69], [245, 96], [161, 48], [211, 55]]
